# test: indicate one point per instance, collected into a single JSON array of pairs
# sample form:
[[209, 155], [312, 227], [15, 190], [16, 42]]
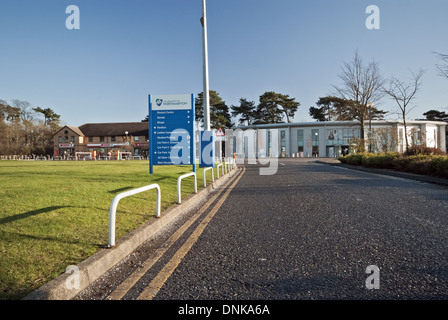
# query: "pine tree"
[[245, 111]]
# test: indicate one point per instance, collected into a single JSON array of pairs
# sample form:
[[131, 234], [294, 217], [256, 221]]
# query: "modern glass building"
[[332, 138]]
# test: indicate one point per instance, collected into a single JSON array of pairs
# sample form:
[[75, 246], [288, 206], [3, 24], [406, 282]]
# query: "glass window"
[[60, 139], [66, 139], [90, 139], [112, 139], [136, 138], [283, 138], [101, 139], [331, 140], [73, 139], [283, 142], [300, 138], [315, 136], [269, 144]]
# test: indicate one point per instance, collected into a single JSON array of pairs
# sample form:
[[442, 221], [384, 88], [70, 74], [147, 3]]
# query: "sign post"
[[171, 130]]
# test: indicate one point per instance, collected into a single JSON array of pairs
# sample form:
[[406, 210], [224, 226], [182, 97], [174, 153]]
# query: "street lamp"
[[205, 95], [127, 141]]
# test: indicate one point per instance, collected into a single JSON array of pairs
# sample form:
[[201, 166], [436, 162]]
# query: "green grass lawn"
[[56, 213]]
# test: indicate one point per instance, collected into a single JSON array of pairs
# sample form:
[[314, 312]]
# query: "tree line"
[[362, 86], [272, 108], [27, 130], [355, 99], [23, 131]]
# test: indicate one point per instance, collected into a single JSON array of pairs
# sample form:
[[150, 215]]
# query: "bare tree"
[[24, 106], [443, 68], [362, 85], [403, 93]]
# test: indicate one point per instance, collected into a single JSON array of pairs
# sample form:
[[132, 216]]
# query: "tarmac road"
[[308, 232]]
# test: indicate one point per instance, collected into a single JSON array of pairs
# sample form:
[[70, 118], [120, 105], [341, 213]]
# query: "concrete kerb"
[[95, 266], [393, 173]]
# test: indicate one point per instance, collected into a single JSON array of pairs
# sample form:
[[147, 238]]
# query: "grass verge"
[[55, 214]]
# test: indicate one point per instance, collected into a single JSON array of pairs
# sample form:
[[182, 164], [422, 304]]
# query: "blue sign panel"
[[171, 130]]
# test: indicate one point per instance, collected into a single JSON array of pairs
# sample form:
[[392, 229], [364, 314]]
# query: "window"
[[66, 139], [315, 140], [299, 141], [112, 139], [60, 139], [90, 139], [315, 136], [101, 139], [73, 139], [136, 138], [283, 142]]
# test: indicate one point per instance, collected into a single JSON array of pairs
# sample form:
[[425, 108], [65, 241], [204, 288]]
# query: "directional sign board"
[[171, 130]]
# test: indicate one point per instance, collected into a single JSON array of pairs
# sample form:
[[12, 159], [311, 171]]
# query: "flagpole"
[[205, 94]]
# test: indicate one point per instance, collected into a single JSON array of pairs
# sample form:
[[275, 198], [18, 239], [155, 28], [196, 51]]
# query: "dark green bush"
[[429, 164]]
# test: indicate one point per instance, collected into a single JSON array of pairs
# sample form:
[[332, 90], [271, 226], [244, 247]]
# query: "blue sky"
[[125, 50]]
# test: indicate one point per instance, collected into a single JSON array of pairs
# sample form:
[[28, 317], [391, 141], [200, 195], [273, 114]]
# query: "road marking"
[[131, 280], [153, 288]]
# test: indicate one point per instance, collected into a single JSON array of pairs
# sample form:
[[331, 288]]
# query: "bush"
[[438, 165], [373, 160], [429, 164], [424, 150], [382, 160], [354, 159]]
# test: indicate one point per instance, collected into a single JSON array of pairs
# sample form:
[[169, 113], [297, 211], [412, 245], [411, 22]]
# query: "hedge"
[[435, 165]]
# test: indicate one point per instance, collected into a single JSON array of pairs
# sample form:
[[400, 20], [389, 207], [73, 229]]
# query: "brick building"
[[102, 139]]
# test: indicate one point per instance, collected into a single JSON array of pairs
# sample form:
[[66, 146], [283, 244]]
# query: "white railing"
[[118, 197], [213, 179], [179, 185], [217, 170]]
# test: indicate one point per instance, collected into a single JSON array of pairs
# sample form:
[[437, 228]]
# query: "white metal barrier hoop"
[[179, 182], [118, 197], [211, 169], [227, 166], [217, 170]]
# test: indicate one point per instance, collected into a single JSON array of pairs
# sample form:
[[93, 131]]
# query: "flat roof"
[[339, 123]]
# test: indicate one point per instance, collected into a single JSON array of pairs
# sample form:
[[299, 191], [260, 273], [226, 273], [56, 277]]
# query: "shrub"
[[419, 164], [354, 159], [438, 165], [429, 164], [383, 160], [416, 150]]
